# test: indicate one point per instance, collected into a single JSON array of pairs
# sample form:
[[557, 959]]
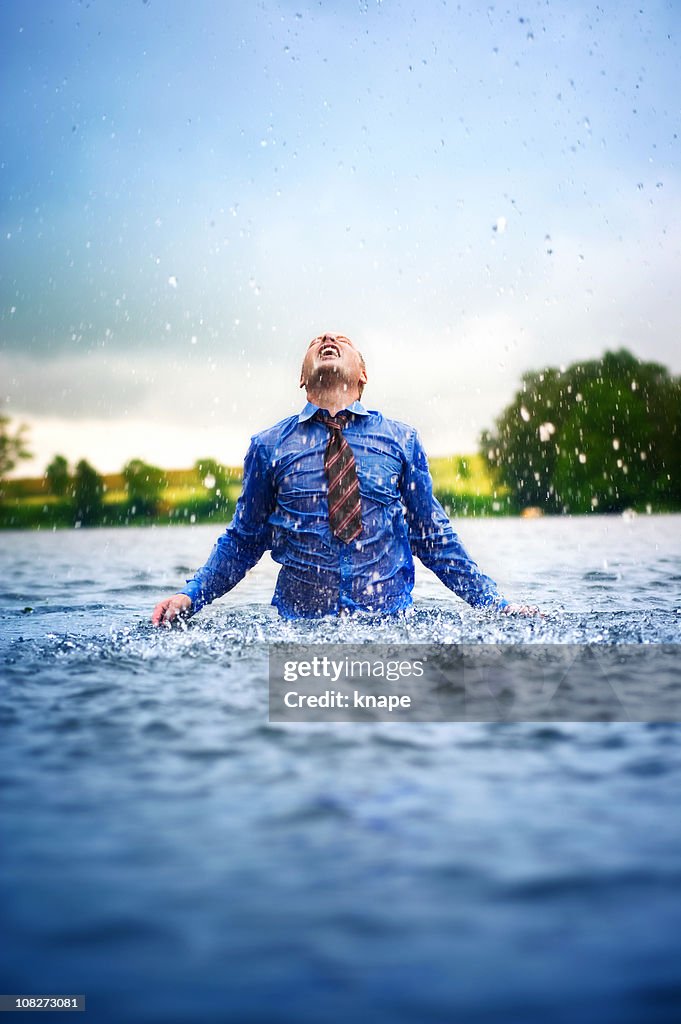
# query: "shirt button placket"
[[345, 566]]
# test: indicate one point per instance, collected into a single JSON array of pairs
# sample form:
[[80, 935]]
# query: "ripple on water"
[[111, 931], [161, 730], [648, 767], [580, 885]]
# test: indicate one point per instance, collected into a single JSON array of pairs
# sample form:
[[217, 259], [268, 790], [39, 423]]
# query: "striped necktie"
[[345, 509]]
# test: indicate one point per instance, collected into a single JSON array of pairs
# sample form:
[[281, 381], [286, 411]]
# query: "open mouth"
[[328, 349]]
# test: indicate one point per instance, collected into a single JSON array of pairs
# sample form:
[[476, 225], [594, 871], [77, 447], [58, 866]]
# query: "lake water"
[[175, 857]]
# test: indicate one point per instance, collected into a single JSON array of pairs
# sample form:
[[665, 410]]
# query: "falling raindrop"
[[524, 414]]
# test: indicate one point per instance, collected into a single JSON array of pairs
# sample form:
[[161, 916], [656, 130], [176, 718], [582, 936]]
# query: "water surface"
[[174, 856]]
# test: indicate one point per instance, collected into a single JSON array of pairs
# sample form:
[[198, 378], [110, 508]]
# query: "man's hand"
[[171, 608], [521, 609]]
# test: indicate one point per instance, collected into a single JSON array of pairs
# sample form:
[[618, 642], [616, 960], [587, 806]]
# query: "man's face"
[[331, 358]]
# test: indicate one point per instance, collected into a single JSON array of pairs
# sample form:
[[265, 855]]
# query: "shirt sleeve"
[[433, 540], [246, 538]]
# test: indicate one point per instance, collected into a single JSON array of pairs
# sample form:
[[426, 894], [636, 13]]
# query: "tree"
[[463, 469], [144, 484], [601, 435], [213, 475], [88, 493], [57, 476], [12, 446]]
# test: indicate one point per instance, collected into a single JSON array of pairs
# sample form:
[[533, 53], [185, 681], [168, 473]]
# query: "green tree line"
[[78, 494]]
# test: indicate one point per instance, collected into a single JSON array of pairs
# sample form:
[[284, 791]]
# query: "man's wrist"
[[192, 593]]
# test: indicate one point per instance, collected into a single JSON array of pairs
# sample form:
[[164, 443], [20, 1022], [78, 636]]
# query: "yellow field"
[[462, 474]]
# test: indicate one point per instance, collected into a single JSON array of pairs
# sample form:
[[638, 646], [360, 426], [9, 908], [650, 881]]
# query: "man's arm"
[[242, 544], [433, 540]]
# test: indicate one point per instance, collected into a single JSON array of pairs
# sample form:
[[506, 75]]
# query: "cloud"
[[73, 387]]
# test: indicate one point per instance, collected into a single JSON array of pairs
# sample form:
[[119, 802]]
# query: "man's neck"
[[332, 399]]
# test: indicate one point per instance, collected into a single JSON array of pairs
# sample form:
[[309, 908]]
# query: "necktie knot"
[[337, 422]]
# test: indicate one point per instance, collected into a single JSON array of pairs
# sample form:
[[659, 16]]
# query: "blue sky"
[[189, 192]]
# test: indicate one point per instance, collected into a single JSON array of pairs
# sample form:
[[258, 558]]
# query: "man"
[[342, 497]]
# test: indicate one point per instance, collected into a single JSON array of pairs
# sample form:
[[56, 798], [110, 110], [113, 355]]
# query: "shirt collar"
[[308, 412]]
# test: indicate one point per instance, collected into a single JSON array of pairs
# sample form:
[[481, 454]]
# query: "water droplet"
[[524, 414], [172, 281]]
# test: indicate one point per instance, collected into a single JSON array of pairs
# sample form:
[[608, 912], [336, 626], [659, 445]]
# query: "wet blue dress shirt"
[[283, 508]]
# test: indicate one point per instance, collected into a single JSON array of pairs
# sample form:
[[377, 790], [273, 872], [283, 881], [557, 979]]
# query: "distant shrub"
[[88, 494], [57, 476], [145, 485]]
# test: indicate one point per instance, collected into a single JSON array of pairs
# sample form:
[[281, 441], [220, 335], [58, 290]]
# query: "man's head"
[[332, 360]]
